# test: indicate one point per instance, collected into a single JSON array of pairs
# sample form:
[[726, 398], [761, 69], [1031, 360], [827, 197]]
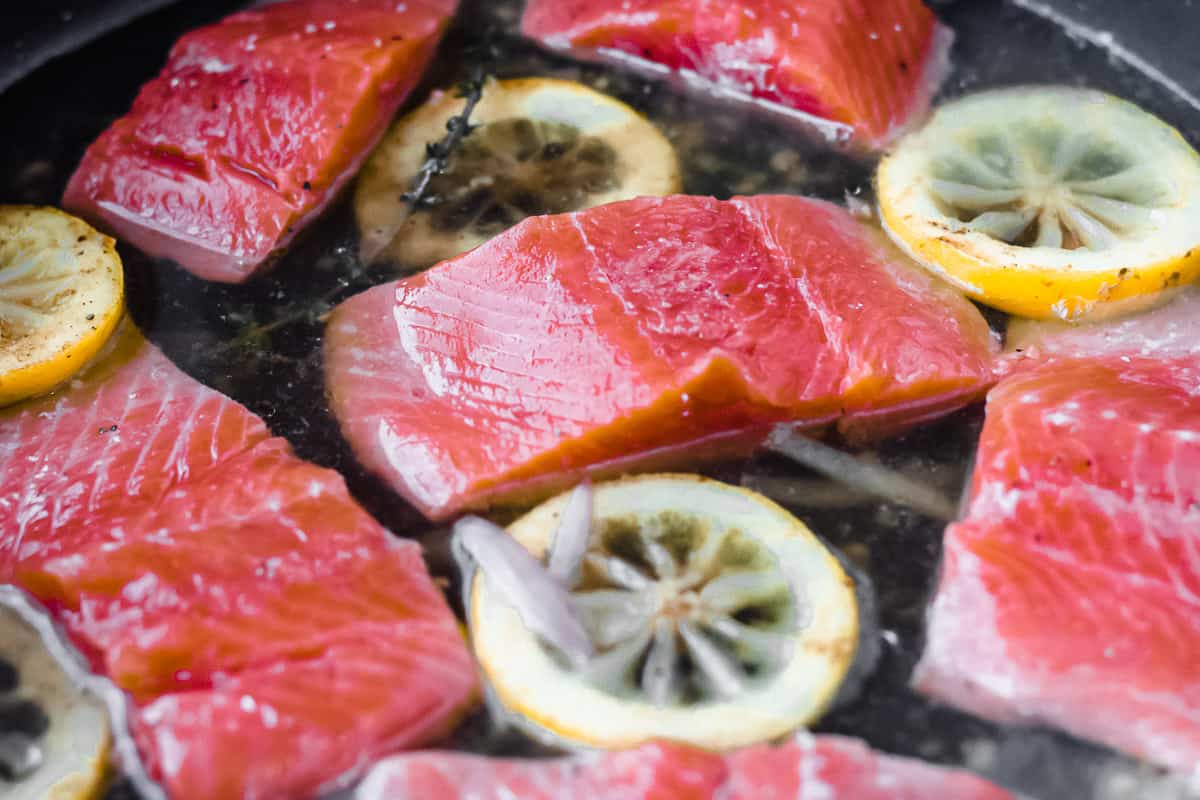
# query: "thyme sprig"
[[437, 154]]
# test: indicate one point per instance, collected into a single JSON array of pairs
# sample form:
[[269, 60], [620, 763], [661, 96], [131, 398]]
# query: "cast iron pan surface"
[[67, 70]]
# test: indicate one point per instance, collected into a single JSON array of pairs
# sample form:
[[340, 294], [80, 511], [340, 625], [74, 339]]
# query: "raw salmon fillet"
[[640, 335], [252, 127], [869, 64], [826, 767], [1070, 594], [272, 636], [1168, 333]]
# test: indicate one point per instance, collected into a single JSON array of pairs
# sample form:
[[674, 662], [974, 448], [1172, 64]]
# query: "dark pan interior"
[[260, 342]]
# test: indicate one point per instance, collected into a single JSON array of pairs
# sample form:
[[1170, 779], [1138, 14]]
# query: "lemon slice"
[[1047, 202], [54, 737], [716, 617], [61, 287], [543, 146]]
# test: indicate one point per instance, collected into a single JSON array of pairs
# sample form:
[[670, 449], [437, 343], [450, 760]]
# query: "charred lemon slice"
[[716, 619], [1047, 202], [543, 146], [61, 297], [53, 737]]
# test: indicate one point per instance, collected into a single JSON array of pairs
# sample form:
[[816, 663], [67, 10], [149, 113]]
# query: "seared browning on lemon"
[[543, 146], [61, 290], [53, 737], [1047, 202], [717, 619]]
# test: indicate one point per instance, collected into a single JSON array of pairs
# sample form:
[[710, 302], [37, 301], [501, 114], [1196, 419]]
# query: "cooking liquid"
[[260, 343]]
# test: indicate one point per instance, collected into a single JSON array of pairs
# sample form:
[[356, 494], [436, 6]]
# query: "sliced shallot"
[[871, 478], [571, 538], [542, 601]]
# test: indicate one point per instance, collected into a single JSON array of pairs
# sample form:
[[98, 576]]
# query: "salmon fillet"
[[271, 635], [871, 65], [252, 127], [1070, 594], [642, 334], [826, 767]]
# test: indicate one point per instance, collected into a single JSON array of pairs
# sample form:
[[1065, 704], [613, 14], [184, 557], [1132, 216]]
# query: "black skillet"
[[67, 69]]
